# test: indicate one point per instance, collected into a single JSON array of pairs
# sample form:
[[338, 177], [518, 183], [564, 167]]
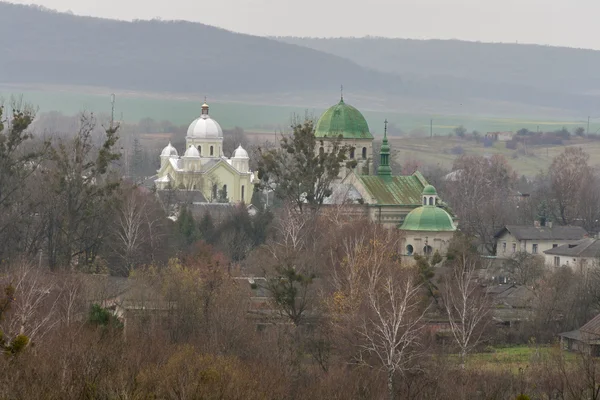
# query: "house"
[[500, 136], [584, 340], [535, 239], [579, 255]]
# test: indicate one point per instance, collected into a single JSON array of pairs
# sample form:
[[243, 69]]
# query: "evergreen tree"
[[207, 228], [187, 226]]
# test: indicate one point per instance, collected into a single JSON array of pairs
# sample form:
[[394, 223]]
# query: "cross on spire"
[[385, 127], [342, 92]]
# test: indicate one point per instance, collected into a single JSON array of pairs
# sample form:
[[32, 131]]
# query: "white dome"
[[205, 127], [192, 152], [169, 151], [240, 153]]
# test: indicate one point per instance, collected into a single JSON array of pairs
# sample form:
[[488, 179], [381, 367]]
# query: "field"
[[437, 151], [266, 117], [516, 358]]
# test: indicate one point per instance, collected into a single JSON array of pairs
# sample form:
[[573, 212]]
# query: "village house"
[[579, 255], [584, 340], [500, 136], [535, 239]]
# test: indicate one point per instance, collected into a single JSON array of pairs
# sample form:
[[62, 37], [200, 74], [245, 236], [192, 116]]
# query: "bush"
[[488, 142], [457, 150], [512, 145]]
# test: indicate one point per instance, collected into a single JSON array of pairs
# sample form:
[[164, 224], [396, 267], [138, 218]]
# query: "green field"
[[266, 118], [516, 358], [437, 151]]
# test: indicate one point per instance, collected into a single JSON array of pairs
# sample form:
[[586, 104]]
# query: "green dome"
[[428, 218], [429, 190], [343, 119]]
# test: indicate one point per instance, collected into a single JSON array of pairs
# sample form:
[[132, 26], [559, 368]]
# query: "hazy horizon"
[[545, 22]]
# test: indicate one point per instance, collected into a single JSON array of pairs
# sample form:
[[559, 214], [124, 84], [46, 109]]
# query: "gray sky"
[[570, 23]]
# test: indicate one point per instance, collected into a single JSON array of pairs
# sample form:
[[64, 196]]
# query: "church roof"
[[343, 119], [428, 218], [394, 190]]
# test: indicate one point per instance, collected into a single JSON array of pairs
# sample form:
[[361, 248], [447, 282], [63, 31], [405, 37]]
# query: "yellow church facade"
[[204, 168]]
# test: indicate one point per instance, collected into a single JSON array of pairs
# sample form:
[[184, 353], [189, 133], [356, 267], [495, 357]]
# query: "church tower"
[[206, 135], [384, 168], [343, 120]]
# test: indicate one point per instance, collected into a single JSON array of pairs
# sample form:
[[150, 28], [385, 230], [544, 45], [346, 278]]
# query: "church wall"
[[389, 216], [358, 145], [438, 241]]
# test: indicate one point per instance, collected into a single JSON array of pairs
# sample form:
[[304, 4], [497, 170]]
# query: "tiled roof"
[[557, 232], [583, 248], [395, 190]]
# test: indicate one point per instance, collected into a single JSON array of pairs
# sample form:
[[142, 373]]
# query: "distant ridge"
[[42, 47]]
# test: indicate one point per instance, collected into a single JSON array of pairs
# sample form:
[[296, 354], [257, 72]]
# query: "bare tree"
[[32, 312], [467, 303], [569, 175], [392, 330], [481, 194]]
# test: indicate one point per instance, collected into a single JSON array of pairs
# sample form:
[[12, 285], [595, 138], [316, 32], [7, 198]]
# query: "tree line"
[[303, 301]]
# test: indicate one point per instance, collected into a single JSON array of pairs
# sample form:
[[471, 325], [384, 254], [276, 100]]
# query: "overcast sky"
[[572, 23]]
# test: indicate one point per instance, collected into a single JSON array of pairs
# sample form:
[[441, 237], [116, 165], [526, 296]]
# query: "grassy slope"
[[262, 118], [436, 151]]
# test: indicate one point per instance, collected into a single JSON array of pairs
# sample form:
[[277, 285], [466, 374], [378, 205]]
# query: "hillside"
[[543, 67], [531, 74], [41, 46]]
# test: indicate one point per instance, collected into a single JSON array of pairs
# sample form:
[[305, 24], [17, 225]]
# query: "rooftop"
[[395, 190], [345, 120], [587, 247], [556, 232]]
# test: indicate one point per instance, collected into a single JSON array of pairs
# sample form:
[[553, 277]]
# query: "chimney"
[[536, 224]]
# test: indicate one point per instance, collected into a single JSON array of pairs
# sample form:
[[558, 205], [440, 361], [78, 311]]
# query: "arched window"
[[212, 151], [431, 201], [352, 153], [200, 150], [410, 250], [214, 191], [427, 250], [243, 192], [321, 151], [364, 153], [424, 200], [225, 192]]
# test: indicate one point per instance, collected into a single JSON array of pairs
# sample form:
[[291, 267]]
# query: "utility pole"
[[588, 127], [431, 128], [112, 110]]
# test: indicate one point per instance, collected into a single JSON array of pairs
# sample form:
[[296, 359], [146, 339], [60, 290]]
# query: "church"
[[203, 168], [406, 202]]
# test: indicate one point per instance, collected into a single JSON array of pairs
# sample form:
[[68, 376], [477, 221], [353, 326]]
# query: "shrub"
[[457, 150], [512, 145]]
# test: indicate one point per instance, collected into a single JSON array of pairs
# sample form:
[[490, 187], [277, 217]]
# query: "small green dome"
[[429, 190], [428, 218], [343, 119]]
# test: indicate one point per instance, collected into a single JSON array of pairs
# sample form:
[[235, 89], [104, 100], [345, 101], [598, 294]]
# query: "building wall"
[[577, 264], [220, 175], [389, 216], [363, 164], [438, 241], [524, 245]]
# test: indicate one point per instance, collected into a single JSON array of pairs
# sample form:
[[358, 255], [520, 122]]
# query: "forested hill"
[[42, 46], [543, 67]]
